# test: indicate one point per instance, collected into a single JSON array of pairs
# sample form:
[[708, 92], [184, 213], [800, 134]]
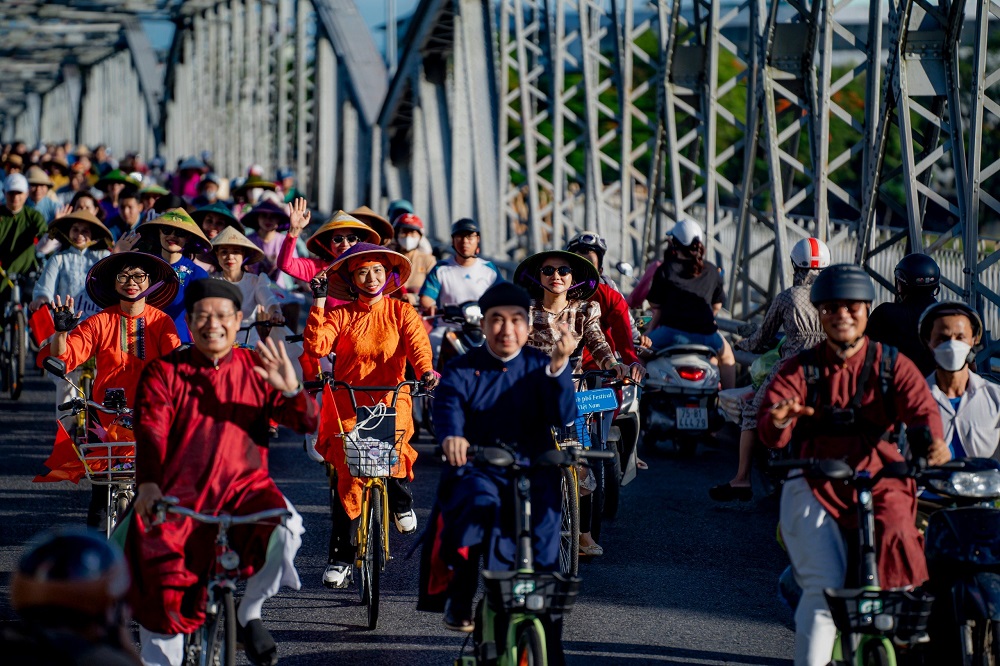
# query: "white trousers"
[[819, 560], [278, 570]]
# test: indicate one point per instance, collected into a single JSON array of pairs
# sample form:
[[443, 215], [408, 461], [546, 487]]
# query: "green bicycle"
[[510, 626]]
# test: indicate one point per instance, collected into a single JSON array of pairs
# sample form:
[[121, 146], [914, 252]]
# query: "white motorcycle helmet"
[[810, 253], [686, 231]]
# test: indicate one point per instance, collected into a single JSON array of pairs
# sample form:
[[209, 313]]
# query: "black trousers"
[[342, 529]]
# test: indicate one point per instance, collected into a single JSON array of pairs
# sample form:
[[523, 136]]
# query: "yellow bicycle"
[[373, 451]]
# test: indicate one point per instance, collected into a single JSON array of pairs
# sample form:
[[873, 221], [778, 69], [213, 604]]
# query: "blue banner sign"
[[598, 400]]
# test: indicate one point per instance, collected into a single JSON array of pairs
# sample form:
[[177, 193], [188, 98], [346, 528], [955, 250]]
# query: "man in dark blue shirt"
[[500, 392]]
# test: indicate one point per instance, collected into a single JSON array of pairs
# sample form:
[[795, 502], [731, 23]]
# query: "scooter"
[[680, 400], [623, 442], [464, 333], [962, 545]]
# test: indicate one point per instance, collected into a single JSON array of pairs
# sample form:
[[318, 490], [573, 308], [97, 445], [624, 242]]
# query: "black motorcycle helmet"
[[917, 274], [69, 576], [464, 226], [945, 308], [842, 282]]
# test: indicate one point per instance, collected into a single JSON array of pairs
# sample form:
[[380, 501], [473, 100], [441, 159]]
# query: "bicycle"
[[215, 642], [510, 627], [869, 619], [373, 454], [108, 463], [14, 348], [587, 430]]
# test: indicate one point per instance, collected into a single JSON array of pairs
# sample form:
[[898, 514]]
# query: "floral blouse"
[[585, 321]]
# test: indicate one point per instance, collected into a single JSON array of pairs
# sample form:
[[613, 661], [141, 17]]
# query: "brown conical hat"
[[230, 236]]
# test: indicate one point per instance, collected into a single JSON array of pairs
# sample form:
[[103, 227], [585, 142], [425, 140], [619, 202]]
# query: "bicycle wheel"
[[875, 653], [219, 642], [529, 646], [18, 351], [373, 557], [569, 531]]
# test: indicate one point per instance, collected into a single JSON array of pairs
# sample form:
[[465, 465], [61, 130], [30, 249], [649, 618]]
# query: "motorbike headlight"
[[473, 314], [983, 484]]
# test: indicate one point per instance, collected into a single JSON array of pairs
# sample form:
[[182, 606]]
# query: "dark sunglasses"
[[176, 233], [549, 271], [351, 238]]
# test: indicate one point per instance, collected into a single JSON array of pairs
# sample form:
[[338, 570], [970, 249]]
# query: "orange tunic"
[[123, 345], [373, 344]]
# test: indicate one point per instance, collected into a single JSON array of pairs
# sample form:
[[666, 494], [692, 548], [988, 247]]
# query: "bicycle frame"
[[364, 529]]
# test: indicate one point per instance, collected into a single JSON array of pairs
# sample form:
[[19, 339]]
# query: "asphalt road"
[[683, 580]]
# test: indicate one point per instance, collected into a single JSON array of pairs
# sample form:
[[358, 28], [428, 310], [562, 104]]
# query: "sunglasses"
[[176, 233], [549, 271], [350, 238]]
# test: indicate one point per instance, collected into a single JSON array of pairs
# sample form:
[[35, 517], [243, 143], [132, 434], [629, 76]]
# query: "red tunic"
[[901, 557], [201, 430]]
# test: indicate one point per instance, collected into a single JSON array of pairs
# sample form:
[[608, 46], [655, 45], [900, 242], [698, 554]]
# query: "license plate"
[[692, 418]]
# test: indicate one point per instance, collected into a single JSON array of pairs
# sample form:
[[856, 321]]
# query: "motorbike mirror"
[[624, 268], [55, 365], [835, 469]]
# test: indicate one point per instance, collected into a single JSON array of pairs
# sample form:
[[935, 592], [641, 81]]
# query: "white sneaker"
[[337, 576], [406, 523], [309, 444]]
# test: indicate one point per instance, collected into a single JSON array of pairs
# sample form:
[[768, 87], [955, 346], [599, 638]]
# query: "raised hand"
[[318, 285], [62, 315], [63, 211], [128, 240], [276, 368], [299, 216], [565, 345]]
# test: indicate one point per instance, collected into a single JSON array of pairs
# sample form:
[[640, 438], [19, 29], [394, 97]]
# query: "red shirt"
[[615, 324]]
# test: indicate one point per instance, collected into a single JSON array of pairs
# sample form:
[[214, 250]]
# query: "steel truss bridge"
[[867, 124]]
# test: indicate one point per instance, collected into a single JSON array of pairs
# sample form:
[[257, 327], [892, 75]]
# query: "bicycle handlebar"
[[80, 403], [838, 470], [606, 374], [171, 505], [416, 385]]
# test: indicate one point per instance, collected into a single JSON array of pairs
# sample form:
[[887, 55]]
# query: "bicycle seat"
[[678, 350]]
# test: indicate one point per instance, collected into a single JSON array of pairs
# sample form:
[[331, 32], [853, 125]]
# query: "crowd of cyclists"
[[188, 290]]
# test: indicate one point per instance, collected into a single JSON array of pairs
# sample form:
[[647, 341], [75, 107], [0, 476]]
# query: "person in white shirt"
[[969, 405], [459, 279]]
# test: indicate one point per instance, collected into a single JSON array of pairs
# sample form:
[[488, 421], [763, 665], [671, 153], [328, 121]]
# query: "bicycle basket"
[[373, 446], [856, 610], [511, 591], [109, 464], [576, 434]]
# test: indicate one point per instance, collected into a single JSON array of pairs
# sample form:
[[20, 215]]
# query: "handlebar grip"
[[791, 464], [294, 338], [313, 386], [66, 405], [597, 455]]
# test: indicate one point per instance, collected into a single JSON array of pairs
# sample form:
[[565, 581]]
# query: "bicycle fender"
[[890, 651], [509, 656], [977, 597]]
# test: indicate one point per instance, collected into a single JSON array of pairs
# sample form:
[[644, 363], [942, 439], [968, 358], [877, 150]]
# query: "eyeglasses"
[[125, 278], [549, 271], [350, 238], [202, 318], [834, 307]]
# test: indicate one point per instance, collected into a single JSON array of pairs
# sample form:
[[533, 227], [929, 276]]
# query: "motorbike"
[[623, 442], [463, 333], [680, 400], [962, 546]]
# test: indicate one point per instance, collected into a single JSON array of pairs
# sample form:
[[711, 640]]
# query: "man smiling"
[[201, 436]]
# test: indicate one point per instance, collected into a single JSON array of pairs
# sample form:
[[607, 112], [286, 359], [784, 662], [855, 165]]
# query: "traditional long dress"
[[201, 434], [373, 344], [123, 345]]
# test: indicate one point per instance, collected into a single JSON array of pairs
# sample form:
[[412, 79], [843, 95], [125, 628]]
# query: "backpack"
[[847, 421]]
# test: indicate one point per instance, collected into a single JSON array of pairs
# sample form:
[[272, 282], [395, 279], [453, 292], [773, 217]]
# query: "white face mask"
[[952, 355], [409, 242]]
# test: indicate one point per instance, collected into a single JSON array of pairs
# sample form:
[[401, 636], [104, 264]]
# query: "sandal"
[[729, 493]]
